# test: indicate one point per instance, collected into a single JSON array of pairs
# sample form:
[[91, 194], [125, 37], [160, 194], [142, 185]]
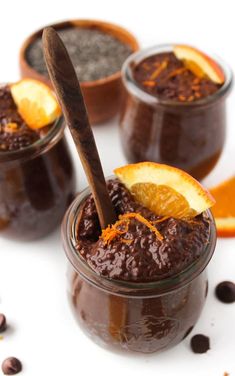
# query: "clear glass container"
[[187, 135], [37, 184], [142, 317]]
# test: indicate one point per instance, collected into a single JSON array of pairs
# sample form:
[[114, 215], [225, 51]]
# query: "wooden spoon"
[[68, 91]]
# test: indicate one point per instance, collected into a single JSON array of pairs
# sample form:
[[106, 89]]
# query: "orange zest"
[[159, 70], [176, 72], [127, 241], [111, 232], [11, 127], [143, 220], [149, 83], [224, 209], [161, 219]]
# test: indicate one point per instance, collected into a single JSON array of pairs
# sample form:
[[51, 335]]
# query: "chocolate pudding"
[[171, 115], [36, 174], [134, 286]]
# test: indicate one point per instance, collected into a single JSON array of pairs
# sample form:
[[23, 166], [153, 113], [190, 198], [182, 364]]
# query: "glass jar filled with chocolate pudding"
[[37, 180], [141, 283], [175, 109]]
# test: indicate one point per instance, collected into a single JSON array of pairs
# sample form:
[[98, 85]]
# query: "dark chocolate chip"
[[3, 323], [11, 366], [225, 292], [200, 343]]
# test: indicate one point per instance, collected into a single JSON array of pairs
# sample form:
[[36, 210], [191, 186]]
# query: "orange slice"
[[199, 63], [165, 190], [35, 102], [224, 209]]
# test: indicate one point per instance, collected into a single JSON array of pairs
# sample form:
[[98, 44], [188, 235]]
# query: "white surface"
[[43, 332]]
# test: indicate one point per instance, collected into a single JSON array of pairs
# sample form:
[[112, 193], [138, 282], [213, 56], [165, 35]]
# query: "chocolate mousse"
[[165, 76], [141, 246]]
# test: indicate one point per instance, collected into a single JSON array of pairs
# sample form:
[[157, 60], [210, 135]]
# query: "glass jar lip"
[[136, 91], [37, 147], [165, 285]]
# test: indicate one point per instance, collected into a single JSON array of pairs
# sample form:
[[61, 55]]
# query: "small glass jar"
[[187, 135], [142, 317], [37, 184]]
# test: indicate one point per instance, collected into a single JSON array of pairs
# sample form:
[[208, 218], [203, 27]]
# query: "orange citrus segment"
[[162, 200], [193, 67], [199, 62], [224, 209], [35, 102], [165, 190]]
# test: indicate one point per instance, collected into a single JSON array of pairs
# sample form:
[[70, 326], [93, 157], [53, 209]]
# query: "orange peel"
[[165, 190], [199, 63], [111, 232], [224, 209]]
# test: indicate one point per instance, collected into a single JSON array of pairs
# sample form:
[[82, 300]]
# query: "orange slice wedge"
[[165, 190], [224, 209], [199, 63], [35, 102]]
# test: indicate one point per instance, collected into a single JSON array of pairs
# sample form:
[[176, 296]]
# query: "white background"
[[43, 333]]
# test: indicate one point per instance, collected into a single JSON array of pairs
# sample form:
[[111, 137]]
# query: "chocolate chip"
[[225, 292], [3, 322], [11, 366], [200, 343]]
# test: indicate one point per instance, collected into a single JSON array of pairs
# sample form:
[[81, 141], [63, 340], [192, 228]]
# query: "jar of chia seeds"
[[189, 134], [142, 317], [37, 183]]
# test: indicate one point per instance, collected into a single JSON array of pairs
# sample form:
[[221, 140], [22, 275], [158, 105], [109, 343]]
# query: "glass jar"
[[187, 135], [36, 186], [142, 317]]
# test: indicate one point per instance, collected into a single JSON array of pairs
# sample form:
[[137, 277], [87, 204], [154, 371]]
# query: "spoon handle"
[[68, 91]]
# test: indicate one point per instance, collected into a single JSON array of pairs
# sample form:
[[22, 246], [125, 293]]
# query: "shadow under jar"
[[187, 135], [36, 186], [141, 317]]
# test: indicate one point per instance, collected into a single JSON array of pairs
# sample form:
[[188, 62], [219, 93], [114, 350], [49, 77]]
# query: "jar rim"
[[119, 287], [132, 87], [53, 135]]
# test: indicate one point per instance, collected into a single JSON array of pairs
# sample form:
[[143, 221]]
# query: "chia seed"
[[95, 54]]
